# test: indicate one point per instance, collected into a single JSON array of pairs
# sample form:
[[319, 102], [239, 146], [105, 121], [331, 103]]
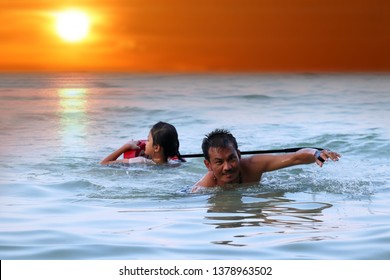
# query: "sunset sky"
[[199, 35]]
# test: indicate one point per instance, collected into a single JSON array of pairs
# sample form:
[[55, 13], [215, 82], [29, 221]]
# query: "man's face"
[[225, 164]]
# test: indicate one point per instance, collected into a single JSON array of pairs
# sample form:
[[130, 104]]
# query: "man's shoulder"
[[253, 163], [207, 180], [247, 162], [251, 171]]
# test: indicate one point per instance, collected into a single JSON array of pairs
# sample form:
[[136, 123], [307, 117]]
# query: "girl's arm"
[[112, 158]]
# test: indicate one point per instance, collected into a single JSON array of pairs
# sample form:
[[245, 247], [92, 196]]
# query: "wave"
[[22, 98], [249, 97], [372, 143]]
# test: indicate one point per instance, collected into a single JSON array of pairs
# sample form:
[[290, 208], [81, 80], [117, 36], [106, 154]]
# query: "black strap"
[[288, 150]]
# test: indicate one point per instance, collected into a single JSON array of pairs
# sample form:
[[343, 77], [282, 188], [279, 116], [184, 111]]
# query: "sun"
[[72, 25]]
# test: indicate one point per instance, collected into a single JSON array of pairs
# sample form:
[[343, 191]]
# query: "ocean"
[[58, 202]]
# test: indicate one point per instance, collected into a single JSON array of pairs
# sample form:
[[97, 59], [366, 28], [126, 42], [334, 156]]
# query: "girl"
[[161, 147]]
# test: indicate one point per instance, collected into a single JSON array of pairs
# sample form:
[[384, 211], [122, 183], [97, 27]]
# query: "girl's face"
[[149, 149]]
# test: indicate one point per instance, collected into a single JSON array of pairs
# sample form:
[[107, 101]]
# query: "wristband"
[[318, 156]]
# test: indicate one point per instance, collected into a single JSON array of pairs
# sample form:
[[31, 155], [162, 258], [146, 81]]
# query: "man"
[[226, 167]]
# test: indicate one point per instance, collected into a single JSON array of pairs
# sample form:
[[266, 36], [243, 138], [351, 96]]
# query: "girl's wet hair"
[[165, 135], [218, 138]]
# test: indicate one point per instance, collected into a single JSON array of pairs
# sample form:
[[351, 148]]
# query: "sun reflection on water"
[[72, 112]]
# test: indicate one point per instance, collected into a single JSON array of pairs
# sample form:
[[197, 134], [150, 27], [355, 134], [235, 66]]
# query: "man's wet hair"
[[218, 138]]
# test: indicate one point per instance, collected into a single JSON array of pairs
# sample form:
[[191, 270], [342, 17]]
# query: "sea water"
[[58, 202]]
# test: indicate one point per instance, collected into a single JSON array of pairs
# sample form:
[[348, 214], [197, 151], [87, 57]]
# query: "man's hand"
[[322, 156]]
